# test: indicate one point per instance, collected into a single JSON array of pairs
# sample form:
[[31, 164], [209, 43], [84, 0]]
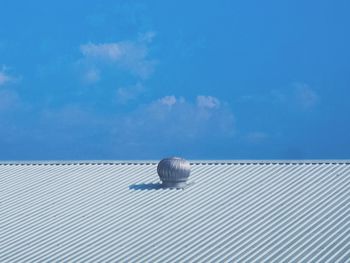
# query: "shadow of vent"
[[144, 186], [154, 186]]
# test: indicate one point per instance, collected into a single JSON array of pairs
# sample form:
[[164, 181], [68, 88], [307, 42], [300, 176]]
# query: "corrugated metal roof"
[[247, 211]]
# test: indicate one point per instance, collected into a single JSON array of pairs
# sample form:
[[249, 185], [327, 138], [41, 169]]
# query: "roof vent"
[[174, 172]]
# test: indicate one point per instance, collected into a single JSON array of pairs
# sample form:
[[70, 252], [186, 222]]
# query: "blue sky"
[[200, 79]]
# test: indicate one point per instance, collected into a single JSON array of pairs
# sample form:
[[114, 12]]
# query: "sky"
[[123, 80]]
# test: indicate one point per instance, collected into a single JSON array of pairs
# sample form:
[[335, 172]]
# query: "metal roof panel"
[[248, 211]]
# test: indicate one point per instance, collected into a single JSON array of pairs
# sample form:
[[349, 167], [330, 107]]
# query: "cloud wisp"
[[129, 56], [129, 93], [9, 98], [298, 95], [208, 102], [5, 77], [176, 118], [92, 75], [170, 121], [306, 97]]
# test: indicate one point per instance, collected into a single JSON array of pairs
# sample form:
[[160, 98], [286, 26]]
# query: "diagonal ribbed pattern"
[[116, 212]]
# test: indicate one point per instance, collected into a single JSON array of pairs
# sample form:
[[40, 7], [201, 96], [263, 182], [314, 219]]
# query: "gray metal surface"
[[111, 211], [174, 172]]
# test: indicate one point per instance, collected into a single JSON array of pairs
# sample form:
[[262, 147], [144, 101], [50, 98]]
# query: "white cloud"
[[91, 76], [168, 100], [130, 56], [306, 97], [126, 94], [166, 123], [6, 77], [208, 102], [147, 37], [298, 95], [109, 52], [175, 118]]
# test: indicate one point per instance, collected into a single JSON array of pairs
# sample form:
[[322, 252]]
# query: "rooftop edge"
[[192, 162]]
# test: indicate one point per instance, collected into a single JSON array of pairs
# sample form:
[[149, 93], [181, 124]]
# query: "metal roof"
[[246, 211]]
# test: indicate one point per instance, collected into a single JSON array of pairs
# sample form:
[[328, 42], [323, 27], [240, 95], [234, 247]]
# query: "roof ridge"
[[193, 162]]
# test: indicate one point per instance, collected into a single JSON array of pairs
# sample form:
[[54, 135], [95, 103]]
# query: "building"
[[231, 211]]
